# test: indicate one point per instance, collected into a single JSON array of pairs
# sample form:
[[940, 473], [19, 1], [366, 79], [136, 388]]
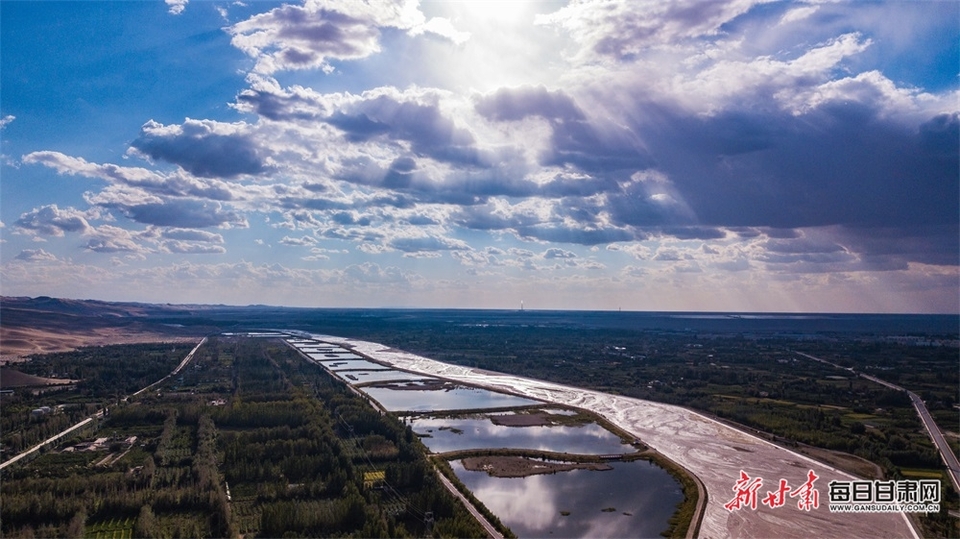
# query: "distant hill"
[[45, 324], [13, 378]]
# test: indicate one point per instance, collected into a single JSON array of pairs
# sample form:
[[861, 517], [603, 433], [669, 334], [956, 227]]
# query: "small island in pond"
[[518, 466]]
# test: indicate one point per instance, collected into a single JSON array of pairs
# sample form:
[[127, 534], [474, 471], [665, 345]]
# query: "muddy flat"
[[536, 419], [508, 466]]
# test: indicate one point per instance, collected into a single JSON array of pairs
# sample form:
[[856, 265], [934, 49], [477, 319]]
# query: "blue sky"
[[736, 155]]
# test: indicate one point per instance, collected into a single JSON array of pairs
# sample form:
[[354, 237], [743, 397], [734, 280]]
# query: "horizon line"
[[524, 309]]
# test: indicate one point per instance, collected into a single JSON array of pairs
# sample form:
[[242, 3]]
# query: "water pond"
[[451, 434], [417, 397], [642, 497]]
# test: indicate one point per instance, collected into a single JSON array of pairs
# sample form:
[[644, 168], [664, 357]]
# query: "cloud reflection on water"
[[531, 506], [590, 439]]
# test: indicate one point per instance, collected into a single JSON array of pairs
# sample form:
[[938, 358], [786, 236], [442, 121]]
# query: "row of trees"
[[289, 454], [104, 374]]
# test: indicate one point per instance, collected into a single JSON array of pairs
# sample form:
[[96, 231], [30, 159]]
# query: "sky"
[[723, 155]]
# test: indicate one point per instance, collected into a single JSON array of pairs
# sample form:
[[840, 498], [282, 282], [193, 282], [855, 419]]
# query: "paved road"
[[177, 370], [51, 439], [946, 452], [98, 415], [473, 510]]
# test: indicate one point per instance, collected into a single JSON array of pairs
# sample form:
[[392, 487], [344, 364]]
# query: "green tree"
[[146, 525]]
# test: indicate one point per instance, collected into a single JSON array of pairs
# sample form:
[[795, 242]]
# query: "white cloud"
[[52, 221], [189, 247], [176, 6], [311, 36], [303, 241], [442, 26]]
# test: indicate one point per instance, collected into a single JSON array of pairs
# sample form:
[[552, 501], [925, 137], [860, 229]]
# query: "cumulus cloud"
[[176, 6], [52, 221], [416, 119], [184, 214], [267, 99], [842, 165], [35, 255], [368, 272], [622, 30], [724, 137], [6, 120], [555, 252], [426, 243], [575, 139], [193, 235], [150, 182], [187, 247], [512, 104], [313, 35], [303, 241], [113, 239], [202, 147]]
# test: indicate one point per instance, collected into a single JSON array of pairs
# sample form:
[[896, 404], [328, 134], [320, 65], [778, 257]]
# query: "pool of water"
[[449, 397], [481, 433], [642, 495]]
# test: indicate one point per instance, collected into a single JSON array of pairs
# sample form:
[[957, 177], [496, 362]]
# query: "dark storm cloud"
[[426, 244], [320, 204], [509, 104], [842, 164], [886, 245], [593, 150], [571, 186], [182, 214], [555, 229], [191, 235], [408, 184], [199, 148], [694, 233], [574, 141], [35, 255], [562, 233], [485, 218], [424, 126], [621, 30]]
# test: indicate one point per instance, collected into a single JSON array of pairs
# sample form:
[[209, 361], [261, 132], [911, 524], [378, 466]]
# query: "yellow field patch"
[[372, 478]]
